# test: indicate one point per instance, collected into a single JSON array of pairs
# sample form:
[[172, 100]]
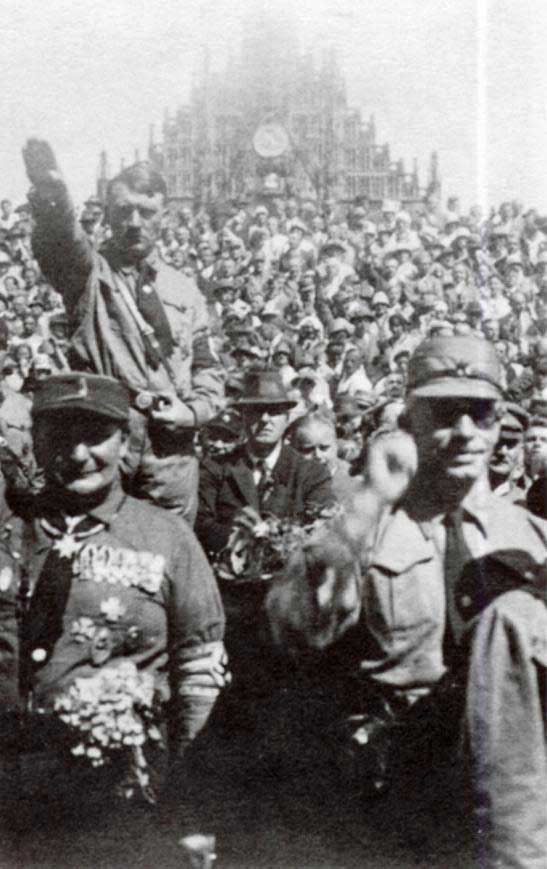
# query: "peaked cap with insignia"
[[455, 366], [102, 396]]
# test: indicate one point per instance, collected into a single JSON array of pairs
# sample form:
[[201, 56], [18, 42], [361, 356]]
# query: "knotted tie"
[[264, 486], [457, 555]]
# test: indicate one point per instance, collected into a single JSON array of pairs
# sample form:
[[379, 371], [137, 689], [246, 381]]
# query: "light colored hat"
[[379, 298], [340, 324]]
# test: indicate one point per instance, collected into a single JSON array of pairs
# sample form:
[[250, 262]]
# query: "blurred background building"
[[276, 122]]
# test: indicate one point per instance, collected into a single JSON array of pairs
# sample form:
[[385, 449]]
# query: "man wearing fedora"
[[264, 475]]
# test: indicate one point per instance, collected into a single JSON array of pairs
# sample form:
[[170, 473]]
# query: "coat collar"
[[240, 471]]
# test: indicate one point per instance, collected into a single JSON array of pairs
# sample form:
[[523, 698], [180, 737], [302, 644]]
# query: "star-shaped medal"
[[67, 546]]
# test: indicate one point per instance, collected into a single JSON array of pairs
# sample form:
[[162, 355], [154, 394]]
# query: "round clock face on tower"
[[270, 140]]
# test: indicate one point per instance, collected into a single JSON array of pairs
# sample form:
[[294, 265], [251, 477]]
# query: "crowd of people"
[[286, 359], [334, 298]]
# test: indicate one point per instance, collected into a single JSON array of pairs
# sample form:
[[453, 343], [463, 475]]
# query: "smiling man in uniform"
[[451, 594]]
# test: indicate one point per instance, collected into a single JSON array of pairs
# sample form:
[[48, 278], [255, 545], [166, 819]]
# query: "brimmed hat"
[[514, 421], [263, 388], [333, 246], [455, 366], [340, 324], [305, 373], [102, 396]]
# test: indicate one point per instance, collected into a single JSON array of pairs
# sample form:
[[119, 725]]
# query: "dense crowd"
[[255, 370], [335, 298]]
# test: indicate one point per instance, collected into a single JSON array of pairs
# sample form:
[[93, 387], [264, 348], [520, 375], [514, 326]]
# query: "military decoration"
[[119, 566]]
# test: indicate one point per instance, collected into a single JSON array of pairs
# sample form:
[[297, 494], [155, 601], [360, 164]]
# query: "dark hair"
[[140, 178]]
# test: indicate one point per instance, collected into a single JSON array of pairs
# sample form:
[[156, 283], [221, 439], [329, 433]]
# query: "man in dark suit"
[[264, 475]]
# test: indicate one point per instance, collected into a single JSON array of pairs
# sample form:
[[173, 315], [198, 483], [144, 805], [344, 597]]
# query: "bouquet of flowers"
[[256, 552], [116, 710]]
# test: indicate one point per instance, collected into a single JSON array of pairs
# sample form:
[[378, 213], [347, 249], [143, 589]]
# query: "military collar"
[[421, 506]]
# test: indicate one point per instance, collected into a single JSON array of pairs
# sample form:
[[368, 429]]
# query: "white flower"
[[112, 609], [83, 629]]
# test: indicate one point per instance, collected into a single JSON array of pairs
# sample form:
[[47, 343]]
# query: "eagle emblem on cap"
[[462, 369]]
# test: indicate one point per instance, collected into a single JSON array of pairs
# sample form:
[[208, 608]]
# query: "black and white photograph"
[[273, 434]]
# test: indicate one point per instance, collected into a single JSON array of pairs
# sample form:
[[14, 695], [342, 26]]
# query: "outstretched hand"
[[41, 164]]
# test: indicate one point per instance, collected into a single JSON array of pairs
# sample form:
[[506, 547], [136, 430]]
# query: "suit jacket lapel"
[[276, 502], [242, 476]]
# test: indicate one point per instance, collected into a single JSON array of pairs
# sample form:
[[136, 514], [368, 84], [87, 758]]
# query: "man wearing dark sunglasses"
[[451, 619]]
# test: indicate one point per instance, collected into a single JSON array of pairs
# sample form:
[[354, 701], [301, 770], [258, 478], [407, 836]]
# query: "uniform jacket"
[[142, 591], [404, 607], [226, 486], [105, 339]]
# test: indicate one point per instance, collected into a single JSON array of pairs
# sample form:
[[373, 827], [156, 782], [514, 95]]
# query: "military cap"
[[455, 366], [102, 396], [228, 422], [514, 421]]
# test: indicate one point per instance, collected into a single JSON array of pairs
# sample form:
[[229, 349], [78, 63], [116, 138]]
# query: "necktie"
[[151, 308], [264, 483], [43, 624], [457, 555]]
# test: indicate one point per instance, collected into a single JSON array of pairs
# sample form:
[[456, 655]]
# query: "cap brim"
[[462, 387], [114, 413], [260, 402]]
